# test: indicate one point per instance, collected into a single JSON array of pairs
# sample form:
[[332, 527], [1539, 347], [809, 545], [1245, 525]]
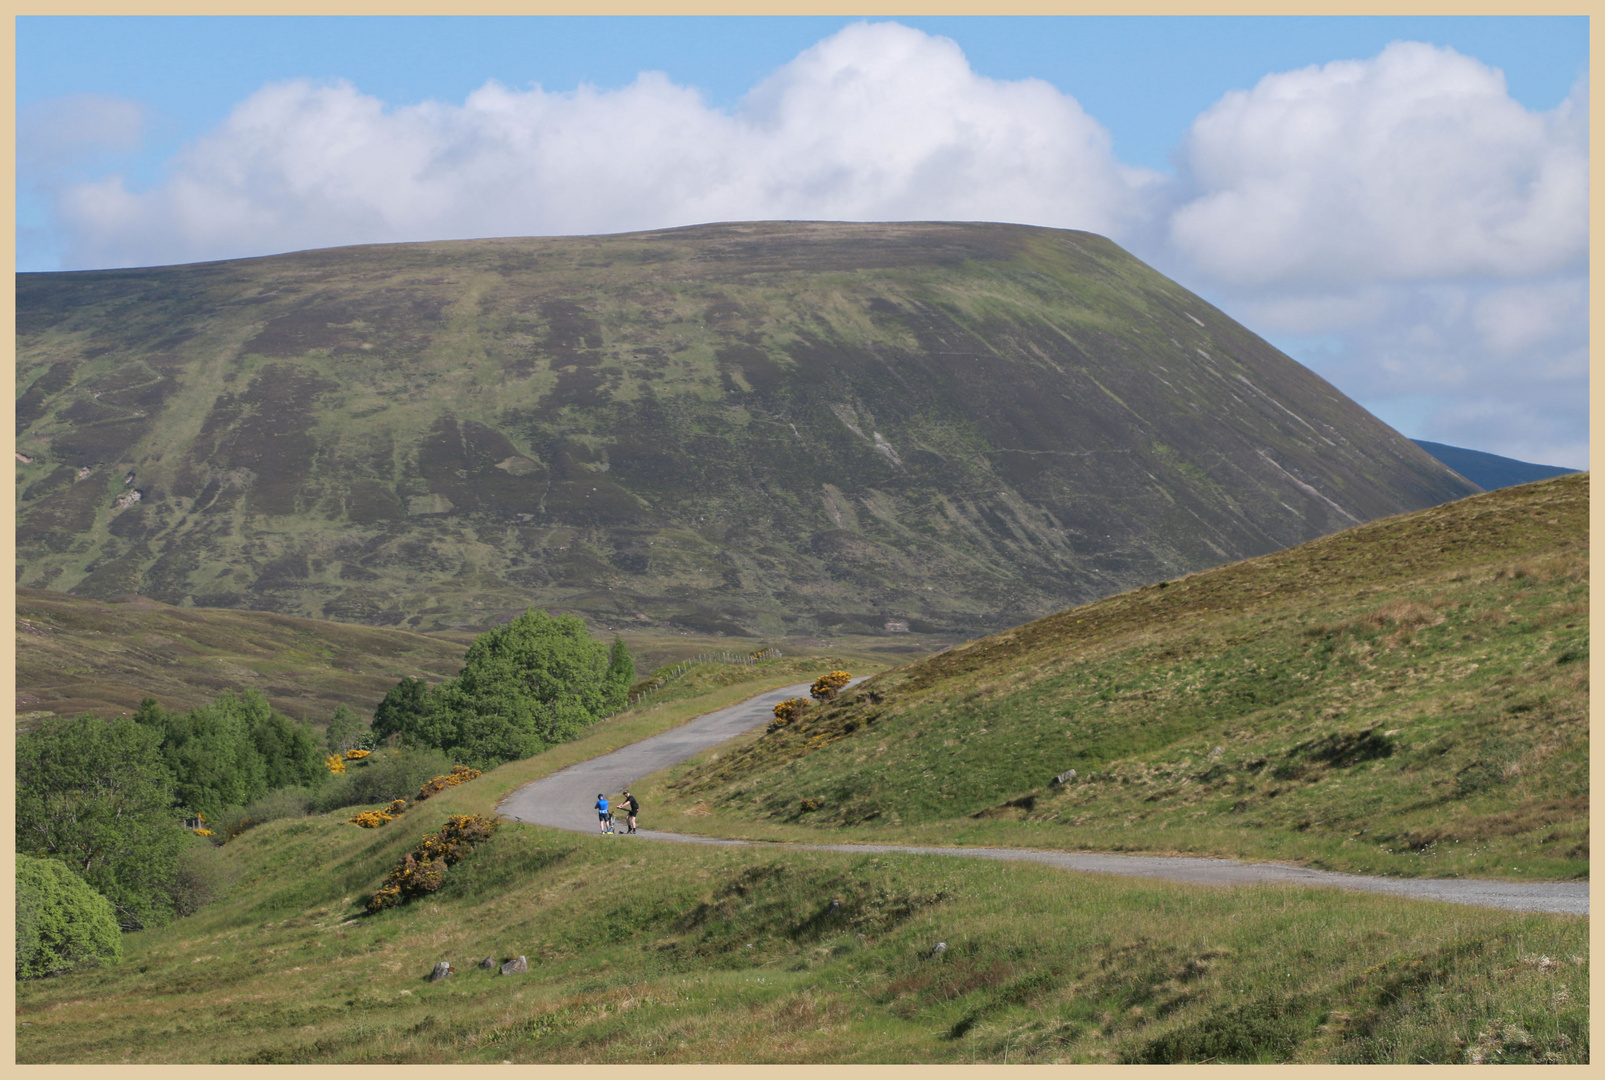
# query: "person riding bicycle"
[[632, 807], [604, 819]]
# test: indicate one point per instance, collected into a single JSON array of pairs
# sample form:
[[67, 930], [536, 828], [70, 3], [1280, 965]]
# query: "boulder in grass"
[[442, 969], [489, 963], [517, 965], [1065, 777]]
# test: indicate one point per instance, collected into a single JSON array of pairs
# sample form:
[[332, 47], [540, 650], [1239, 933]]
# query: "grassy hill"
[[1406, 697], [646, 953], [750, 429]]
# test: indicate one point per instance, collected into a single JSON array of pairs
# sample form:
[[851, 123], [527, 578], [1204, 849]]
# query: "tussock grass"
[[645, 952], [1408, 697]]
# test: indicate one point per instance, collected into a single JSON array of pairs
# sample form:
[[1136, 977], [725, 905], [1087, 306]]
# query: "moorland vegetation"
[[1406, 697], [659, 953]]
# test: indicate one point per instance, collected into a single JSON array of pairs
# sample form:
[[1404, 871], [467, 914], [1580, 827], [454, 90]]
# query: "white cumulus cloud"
[[1415, 164], [60, 134], [1409, 208], [878, 121]]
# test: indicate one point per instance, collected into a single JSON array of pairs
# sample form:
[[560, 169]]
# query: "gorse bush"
[[62, 923], [382, 777], [525, 686], [789, 710], [826, 687], [372, 819], [460, 774], [423, 869]]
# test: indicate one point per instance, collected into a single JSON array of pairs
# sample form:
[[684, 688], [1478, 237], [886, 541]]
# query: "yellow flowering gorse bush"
[[460, 774], [827, 687], [789, 710], [423, 869], [372, 819], [335, 764]]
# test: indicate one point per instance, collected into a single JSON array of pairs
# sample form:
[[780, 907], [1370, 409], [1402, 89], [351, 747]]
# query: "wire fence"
[[681, 669]]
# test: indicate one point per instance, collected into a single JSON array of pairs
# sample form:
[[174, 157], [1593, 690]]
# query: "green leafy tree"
[[620, 675], [233, 751], [402, 706], [214, 760], [538, 681], [97, 795], [346, 731], [290, 751], [62, 923]]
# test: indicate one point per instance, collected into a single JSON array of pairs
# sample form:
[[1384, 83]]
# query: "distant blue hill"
[[1490, 471]]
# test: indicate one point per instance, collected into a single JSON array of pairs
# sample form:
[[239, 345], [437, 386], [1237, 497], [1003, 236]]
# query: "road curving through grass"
[[564, 800]]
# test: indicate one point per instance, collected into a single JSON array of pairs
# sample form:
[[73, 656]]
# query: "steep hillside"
[[1409, 697], [730, 429]]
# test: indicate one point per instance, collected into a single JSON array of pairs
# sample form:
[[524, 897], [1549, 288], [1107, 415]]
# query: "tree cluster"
[[233, 751], [106, 799], [96, 795], [538, 681]]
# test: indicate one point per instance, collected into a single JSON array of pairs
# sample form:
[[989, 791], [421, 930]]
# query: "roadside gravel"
[[565, 799]]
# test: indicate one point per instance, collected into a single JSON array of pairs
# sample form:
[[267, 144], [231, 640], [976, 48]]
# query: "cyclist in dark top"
[[602, 816], [632, 806]]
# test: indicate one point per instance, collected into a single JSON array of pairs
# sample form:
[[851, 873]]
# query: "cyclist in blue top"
[[601, 812]]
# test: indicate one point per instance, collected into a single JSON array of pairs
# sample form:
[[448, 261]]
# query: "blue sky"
[[126, 125], [1145, 78]]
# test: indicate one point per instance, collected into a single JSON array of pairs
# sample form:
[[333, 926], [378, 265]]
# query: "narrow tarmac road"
[[565, 799]]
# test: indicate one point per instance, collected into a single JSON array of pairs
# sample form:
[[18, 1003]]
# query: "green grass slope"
[[727, 429], [645, 953], [1407, 697]]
